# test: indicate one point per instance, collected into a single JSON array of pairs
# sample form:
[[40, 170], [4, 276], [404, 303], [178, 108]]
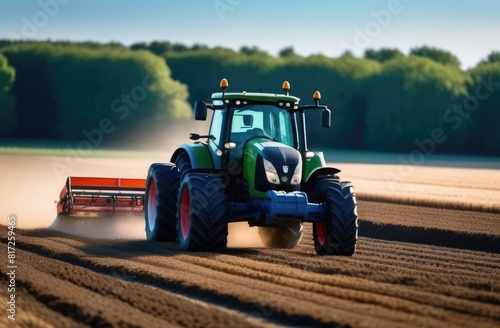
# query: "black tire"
[[162, 186], [183, 164], [202, 215], [338, 234], [281, 237]]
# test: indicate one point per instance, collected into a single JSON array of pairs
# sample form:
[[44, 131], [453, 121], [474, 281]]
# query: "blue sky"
[[468, 28]]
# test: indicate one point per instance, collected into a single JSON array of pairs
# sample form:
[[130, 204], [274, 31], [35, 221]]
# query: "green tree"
[[339, 80], [7, 115], [484, 106], [347, 53], [408, 100], [287, 52], [159, 48], [383, 54], [139, 46], [36, 109], [252, 51], [124, 87], [384, 101], [437, 55], [63, 90], [202, 70], [493, 57]]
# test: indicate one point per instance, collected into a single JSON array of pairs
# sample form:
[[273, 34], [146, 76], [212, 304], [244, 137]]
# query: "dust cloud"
[[160, 137], [132, 228], [102, 227], [242, 236], [28, 191], [31, 184]]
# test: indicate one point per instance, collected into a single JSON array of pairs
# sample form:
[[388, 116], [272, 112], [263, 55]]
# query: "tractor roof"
[[255, 96]]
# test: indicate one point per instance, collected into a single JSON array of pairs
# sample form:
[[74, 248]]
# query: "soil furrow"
[[163, 266], [393, 280]]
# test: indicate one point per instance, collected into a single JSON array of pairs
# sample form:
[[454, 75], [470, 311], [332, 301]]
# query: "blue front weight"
[[280, 203]]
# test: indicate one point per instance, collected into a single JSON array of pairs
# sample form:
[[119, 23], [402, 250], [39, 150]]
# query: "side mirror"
[[248, 120], [326, 118], [200, 111]]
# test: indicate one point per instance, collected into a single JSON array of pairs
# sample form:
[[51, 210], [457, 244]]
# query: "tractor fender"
[[319, 172], [323, 171], [199, 155]]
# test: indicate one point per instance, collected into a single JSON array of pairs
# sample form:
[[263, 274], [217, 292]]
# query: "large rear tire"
[[281, 236], [338, 234], [202, 213], [162, 186]]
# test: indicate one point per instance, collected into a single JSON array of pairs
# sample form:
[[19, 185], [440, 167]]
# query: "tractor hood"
[[275, 152], [271, 165]]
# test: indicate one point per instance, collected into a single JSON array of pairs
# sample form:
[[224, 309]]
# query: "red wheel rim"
[[185, 213], [321, 232], [152, 205]]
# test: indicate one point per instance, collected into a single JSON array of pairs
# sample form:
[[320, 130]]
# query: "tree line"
[[67, 91], [384, 101]]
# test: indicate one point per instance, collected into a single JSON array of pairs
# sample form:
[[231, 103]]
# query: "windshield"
[[262, 120]]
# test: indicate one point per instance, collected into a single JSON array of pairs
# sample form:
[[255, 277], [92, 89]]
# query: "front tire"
[[202, 213], [338, 234], [162, 186]]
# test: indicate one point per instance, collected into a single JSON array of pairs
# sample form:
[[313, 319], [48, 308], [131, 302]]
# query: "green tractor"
[[254, 166]]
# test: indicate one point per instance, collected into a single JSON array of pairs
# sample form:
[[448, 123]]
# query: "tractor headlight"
[[297, 176], [271, 173]]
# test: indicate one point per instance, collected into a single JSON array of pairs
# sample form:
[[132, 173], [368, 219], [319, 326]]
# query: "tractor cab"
[[245, 117], [274, 119]]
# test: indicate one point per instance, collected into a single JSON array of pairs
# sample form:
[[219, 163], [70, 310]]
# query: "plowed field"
[[415, 266]]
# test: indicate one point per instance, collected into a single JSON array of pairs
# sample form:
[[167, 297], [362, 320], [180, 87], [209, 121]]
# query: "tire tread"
[[342, 218]]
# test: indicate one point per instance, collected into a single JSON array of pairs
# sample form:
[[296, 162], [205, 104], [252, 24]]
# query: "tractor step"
[[87, 195]]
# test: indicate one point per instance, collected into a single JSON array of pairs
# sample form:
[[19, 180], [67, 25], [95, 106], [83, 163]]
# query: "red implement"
[[84, 196]]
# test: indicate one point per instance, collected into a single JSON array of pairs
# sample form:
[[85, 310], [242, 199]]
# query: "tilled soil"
[[401, 275]]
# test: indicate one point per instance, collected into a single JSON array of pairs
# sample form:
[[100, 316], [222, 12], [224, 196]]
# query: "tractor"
[[252, 166]]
